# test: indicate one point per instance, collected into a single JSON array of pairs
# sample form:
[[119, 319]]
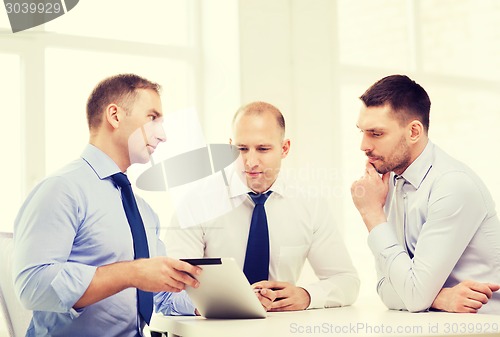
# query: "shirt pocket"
[[290, 262]]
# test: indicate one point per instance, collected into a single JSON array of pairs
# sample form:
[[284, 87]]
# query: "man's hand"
[[153, 274], [369, 194], [282, 296], [467, 296], [265, 296], [164, 274]]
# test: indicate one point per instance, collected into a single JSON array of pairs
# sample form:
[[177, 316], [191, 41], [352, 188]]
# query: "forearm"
[[337, 291], [107, 281], [389, 296]]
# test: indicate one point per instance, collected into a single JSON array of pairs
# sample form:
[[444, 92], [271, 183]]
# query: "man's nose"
[[366, 145]]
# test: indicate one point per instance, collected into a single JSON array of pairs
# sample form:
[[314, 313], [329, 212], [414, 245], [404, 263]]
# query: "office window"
[[373, 34], [66, 123], [460, 38], [10, 140], [61, 62], [165, 22]]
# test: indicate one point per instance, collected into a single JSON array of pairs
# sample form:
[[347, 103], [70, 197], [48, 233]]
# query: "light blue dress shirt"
[[70, 224], [452, 234]]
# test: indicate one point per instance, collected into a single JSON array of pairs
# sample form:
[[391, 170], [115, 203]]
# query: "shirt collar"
[[417, 171], [100, 162]]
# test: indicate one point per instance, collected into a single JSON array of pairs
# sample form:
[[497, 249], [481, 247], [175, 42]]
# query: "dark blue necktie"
[[256, 267], [144, 298]]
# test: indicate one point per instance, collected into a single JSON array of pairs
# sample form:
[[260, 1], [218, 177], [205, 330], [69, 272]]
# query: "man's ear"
[[285, 148], [112, 115], [416, 130]]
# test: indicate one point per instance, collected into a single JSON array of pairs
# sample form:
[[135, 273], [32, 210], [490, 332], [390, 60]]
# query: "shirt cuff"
[[174, 304], [381, 237], [317, 296], [71, 282]]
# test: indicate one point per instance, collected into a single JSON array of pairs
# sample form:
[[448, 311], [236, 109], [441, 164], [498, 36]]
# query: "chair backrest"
[[15, 315]]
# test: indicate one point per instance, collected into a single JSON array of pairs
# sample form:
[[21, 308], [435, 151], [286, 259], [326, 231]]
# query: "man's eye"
[[263, 149], [376, 134], [242, 149], [153, 117]]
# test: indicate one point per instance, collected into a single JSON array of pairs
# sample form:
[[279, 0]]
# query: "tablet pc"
[[224, 291]]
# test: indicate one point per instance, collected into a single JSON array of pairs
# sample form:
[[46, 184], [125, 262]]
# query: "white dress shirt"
[[299, 227], [452, 234]]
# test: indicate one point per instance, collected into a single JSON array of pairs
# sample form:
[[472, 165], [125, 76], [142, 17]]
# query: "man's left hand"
[[288, 296]]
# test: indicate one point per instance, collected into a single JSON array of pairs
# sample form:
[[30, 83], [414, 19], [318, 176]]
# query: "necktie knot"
[[399, 181], [259, 198], [120, 179]]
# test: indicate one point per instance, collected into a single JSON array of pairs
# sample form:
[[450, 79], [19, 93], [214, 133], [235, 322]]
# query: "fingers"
[[370, 170], [179, 274], [385, 178], [284, 304], [291, 298], [493, 287], [267, 293], [266, 298], [480, 291], [269, 285], [186, 273], [185, 267]]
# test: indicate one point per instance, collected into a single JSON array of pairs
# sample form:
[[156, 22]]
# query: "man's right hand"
[[369, 194], [467, 297], [164, 274]]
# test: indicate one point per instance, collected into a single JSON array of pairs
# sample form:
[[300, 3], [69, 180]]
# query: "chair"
[[15, 315]]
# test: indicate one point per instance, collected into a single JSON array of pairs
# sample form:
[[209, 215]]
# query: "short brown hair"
[[119, 89], [407, 98]]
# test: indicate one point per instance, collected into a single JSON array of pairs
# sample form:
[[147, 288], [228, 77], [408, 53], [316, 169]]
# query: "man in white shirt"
[[299, 226], [433, 227]]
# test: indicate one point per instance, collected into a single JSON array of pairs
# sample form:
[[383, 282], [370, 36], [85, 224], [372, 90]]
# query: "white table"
[[347, 321]]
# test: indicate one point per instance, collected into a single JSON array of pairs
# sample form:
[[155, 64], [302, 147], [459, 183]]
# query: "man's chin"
[[381, 169], [142, 159], [256, 186]]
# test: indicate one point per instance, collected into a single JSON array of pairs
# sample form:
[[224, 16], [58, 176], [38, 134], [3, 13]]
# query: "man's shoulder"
[[453, 174], [75, 171], [75, 175], [445, 163]]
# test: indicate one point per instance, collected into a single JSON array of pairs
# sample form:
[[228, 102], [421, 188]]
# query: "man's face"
[[143, 126], [384, 139], [260, 141]]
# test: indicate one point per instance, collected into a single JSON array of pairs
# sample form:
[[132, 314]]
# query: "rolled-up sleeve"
[[44, 276]]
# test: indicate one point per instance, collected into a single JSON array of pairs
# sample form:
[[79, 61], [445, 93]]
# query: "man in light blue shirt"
[[74, 255], [433, 227]]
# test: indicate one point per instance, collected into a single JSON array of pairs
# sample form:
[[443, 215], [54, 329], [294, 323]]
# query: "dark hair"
[[258, 108], [119, 89], [407, 98]]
